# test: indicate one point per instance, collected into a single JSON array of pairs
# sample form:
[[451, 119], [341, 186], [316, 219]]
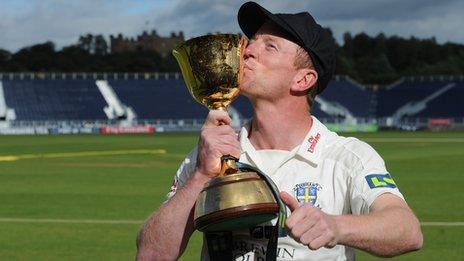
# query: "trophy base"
[[237, 217]]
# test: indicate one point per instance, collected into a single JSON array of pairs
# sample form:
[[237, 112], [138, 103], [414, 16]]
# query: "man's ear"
[[304, 80]]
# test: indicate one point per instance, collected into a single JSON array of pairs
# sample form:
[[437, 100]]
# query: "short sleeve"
[[183, 174], [370, 179]]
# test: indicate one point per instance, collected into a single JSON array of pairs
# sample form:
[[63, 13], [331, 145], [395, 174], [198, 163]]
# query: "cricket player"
[[339, 194]]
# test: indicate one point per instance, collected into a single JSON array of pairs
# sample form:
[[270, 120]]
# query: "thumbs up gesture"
[[309, 225]]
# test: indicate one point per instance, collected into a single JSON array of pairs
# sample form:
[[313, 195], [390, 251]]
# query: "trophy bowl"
[[240, 196], [212, 67]]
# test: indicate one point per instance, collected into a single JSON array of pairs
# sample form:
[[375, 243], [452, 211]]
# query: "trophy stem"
[[228, 165], [228, 162]]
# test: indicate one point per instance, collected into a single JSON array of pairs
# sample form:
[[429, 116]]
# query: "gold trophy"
[[241, 196]]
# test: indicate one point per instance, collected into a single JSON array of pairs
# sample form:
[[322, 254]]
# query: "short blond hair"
[[303, 60]]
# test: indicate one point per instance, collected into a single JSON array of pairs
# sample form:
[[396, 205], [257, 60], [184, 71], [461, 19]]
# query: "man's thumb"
[[289, 201]]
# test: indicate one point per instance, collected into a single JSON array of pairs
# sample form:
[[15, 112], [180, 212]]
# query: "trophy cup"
[[240, 196]]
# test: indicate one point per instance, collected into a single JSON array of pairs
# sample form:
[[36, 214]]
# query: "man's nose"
[[250, 50]]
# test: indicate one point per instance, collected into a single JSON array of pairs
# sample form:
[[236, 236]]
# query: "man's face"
[[269, 64]]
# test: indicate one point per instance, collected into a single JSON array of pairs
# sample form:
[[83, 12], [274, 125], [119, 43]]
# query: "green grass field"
[[81, 197]]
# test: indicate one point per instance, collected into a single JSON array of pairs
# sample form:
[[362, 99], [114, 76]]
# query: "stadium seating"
[[390, 100], [39, 100], [165, 98], [320, 114], [449, 104], [157, 99], [350, 96]]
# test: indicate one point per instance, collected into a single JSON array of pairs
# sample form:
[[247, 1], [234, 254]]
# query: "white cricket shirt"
[[336, 174]]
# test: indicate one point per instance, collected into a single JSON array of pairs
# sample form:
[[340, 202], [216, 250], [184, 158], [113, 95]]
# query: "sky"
[[27, 22]]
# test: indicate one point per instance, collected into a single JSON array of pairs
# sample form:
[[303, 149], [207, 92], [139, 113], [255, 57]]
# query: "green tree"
[[39, 58], [100, 46], [5, 56], [85, 42]]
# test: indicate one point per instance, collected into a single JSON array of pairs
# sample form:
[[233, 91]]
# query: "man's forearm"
[[387, 232], [165, 234]]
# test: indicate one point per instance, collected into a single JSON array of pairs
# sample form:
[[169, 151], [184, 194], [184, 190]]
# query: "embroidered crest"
[[306, 193]]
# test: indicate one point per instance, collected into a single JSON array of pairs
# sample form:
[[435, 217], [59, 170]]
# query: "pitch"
[[84, 197]]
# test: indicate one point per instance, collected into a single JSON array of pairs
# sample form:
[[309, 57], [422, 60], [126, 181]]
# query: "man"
[[338, 191]]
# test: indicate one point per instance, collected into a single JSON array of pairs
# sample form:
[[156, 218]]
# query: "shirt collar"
[[309, 150], [247, 148], [313, 144]]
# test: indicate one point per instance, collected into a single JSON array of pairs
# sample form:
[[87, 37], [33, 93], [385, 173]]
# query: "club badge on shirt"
[[306, 193]]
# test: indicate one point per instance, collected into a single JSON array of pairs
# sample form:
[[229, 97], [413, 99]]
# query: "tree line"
[[369, 60]]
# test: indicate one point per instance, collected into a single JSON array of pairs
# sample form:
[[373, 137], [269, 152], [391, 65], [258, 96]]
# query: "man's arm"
[[166, 233], [389, 229]]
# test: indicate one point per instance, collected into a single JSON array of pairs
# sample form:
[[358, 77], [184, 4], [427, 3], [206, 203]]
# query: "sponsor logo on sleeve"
[[380, 181]]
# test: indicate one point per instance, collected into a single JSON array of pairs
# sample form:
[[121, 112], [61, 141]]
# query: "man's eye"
[[271, 46]]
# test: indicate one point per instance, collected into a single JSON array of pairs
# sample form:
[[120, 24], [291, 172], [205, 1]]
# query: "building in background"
[[146, 42]]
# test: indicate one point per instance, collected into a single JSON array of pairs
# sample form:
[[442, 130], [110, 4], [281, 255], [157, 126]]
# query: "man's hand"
[[309, 225], [217, 139]]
